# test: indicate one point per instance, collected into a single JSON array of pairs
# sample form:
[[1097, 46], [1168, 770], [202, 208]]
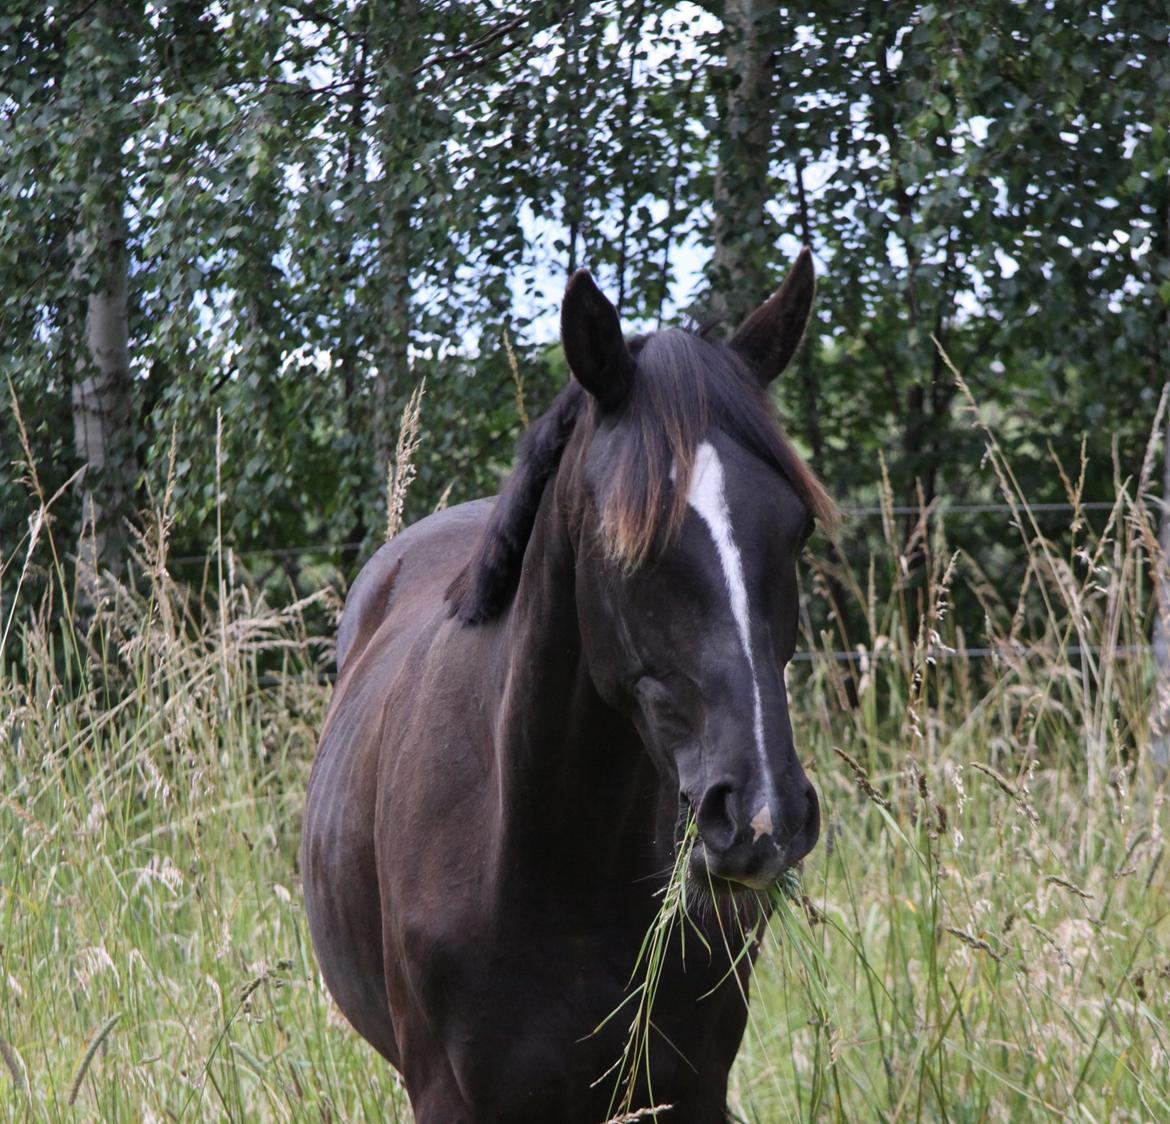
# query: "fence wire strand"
[[830, 656], [863, 512]]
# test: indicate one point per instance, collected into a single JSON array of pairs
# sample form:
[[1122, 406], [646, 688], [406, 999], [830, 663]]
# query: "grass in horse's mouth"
[[647, 970], [689, 896], [703, 886]]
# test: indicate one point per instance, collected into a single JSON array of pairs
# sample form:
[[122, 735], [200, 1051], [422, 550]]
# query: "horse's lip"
[[701, 871], [727, 889]]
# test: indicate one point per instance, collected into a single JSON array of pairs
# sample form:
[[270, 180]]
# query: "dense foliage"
[[310, 205]]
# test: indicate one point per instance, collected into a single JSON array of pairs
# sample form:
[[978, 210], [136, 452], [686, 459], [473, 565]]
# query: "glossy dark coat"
[[521, 718]]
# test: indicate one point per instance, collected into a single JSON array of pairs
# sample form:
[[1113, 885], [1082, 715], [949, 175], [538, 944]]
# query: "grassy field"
[[984, 932]]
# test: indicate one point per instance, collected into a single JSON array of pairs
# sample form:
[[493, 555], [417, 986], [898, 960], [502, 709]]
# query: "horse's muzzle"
[[755, 853]]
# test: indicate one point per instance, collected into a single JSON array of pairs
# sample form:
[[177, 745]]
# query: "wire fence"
[[977, 508], [1001, 652], [935, 653]]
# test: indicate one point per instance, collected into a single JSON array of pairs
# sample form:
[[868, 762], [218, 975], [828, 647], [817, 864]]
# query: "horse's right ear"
[[591, 335]]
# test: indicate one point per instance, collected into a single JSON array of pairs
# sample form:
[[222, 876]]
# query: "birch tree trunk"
[[1160, 718], [107, 37], [392, 347], [402, 122], [738, 270], [103, 420]]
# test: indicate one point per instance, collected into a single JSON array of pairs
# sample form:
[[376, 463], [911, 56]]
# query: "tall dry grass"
[[985, 930], [982, 933], [154, 750]]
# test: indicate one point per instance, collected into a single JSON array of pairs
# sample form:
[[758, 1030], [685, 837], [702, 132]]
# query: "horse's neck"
[[576, 787]]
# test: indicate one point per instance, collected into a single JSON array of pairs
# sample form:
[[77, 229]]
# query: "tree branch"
[[470, 50]]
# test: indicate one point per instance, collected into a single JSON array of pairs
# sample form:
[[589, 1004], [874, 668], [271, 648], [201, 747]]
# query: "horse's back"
[[395, 605]]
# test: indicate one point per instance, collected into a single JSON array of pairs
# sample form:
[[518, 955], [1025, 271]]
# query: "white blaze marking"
[[710, 503]]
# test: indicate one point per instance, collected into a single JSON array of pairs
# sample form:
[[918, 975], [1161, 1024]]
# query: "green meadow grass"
[[981, 935]]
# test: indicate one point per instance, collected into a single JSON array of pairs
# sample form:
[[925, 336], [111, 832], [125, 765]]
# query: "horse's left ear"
[[769, 337]]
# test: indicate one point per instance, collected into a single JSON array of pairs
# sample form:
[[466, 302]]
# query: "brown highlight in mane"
[[653, 449]]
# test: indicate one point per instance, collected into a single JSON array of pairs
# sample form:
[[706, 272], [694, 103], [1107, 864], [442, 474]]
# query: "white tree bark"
[[102, 417], [741, 180], [103, 421]]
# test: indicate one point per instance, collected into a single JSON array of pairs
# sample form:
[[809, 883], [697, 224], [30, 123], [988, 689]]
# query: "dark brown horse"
[[533, 691]]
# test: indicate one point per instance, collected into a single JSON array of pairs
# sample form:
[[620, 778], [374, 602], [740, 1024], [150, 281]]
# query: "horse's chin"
[[702, 880]]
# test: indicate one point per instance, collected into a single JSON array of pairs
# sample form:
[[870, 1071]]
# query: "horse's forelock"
[[653, 447]]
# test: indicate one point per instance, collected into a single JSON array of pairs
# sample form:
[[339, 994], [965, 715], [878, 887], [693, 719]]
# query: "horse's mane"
[[684, 384]]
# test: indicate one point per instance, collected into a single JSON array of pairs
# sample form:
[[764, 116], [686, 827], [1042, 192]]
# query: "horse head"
[[689, 510]]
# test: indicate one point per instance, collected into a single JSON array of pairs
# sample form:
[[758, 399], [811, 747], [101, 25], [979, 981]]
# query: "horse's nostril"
[[715, 822]]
